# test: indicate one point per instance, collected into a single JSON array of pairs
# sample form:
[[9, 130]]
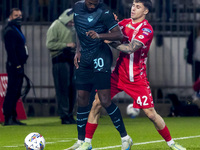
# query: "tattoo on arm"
[[114, 44], [130, 47]]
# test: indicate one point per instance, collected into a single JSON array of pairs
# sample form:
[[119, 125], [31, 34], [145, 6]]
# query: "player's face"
[[70, 23], [138, 12], [91, 4], [15, 14]]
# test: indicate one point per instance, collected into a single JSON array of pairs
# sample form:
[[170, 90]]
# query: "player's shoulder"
[[124, 21], [81, 2], [78, 5], [105, 9], [147, 27]]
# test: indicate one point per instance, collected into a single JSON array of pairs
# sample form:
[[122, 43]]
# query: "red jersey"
[[132, 67], [129, 74]]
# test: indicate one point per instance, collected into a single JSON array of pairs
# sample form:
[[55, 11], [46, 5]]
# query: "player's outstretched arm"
[[127, 48], [114, 35]]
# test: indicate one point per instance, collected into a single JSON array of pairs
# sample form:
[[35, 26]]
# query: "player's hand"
[[71, 45], [77, 58], [92, 34], [107, 41], [20, 71], [116, 17]]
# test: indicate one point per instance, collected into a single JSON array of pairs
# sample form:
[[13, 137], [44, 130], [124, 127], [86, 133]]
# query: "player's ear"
[[146, 11]]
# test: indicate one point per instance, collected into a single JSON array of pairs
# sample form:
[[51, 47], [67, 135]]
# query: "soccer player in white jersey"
[[130, 75]]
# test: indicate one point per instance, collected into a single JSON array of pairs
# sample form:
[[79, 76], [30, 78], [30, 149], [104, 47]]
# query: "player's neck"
[[136, 20]]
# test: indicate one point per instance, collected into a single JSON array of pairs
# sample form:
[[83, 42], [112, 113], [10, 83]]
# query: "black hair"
[[14, 9], [146, 3]]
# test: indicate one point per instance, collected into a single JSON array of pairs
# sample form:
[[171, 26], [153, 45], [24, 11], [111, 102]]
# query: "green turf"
[[60, 137]]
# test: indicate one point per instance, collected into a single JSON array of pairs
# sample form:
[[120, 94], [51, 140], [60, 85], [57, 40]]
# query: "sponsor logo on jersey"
[[145, 33], [146, 30], [75, 14], [107, 12], [130, 26], [140, 36], [90, 18]]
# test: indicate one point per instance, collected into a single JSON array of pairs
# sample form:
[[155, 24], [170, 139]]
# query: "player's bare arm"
[[78, 54], [129, 48], [114, 34]]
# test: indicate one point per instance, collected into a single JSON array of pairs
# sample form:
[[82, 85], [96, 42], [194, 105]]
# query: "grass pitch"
[[184, 130]]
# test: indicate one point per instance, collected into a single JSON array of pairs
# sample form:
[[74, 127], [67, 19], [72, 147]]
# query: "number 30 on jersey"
[[98, 62]]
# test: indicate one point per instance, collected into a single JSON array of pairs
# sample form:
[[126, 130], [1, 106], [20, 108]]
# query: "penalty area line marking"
[[150, 142]]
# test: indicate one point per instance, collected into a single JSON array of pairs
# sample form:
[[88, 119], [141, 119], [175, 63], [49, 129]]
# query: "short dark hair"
[[146, 3], [14, 9]]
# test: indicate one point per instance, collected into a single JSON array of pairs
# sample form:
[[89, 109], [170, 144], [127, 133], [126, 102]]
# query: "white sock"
[[80, 141], [170, 142], [125, 137], [88, 140]]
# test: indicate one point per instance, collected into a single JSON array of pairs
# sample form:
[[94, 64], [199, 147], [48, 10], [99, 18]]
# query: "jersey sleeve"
[[144, 35], [109, 20], [122, 24]]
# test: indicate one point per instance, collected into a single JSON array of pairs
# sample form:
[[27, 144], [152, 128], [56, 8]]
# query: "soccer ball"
[[34, 141], [132, 112]]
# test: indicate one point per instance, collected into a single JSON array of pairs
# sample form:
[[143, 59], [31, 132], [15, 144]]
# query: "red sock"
[[165, 134], [90, 129]]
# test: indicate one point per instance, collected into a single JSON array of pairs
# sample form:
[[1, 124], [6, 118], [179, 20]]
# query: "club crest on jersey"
[[107, 12], [140, 36], [90, 18], [146, 30], [130, 26]]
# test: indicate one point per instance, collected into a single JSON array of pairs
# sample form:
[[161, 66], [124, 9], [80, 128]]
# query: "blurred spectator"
[[196, 85], [163, 6], [196, 55], [31, 10], [181, 108], [196, 96], [61, 44], [6, 5], [193, 52], [44, 9], [17, 54], [193, 58], [56, 7], [116, 7]]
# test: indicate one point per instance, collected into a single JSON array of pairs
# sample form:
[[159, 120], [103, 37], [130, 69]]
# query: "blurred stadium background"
[[168, 72]]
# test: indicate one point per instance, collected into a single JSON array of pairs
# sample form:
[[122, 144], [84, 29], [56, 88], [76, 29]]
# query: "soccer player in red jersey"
[[130, 75]]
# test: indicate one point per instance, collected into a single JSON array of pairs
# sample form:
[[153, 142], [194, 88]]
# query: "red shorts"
[[139, 90]]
